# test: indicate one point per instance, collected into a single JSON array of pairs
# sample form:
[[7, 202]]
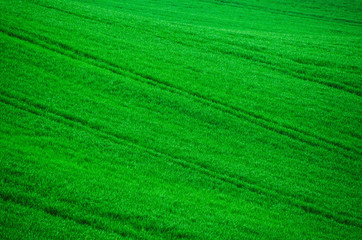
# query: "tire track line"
[[238, 178], [267, 64], [103, 21], [268, 124], [257, 119], [246, 55], [293, 73], [135, 221], [73, 121], [289, 13], [28, 202]]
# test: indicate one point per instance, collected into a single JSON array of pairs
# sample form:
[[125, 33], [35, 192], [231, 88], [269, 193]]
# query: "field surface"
[[203, 119]]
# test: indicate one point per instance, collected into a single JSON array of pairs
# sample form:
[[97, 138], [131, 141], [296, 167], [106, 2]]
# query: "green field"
[[181, 119]]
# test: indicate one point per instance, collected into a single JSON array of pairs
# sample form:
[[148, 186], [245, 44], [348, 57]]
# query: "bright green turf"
[[204, 119]]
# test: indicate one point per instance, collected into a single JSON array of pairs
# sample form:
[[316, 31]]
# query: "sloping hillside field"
[[204, 119]]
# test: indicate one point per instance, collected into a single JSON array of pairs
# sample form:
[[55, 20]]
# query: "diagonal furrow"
[[103, 21], [244, 55], [256, 58], [41, 110], [27, 202], [290, 72], [289, 12], [34, 202], [257, 119]]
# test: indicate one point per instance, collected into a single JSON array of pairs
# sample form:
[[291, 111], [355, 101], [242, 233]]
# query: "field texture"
[[180, 119]]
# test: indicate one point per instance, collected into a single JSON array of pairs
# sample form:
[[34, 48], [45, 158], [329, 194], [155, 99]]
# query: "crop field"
[[180, 119]]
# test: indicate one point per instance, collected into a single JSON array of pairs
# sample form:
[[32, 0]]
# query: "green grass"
[[205, 119]]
